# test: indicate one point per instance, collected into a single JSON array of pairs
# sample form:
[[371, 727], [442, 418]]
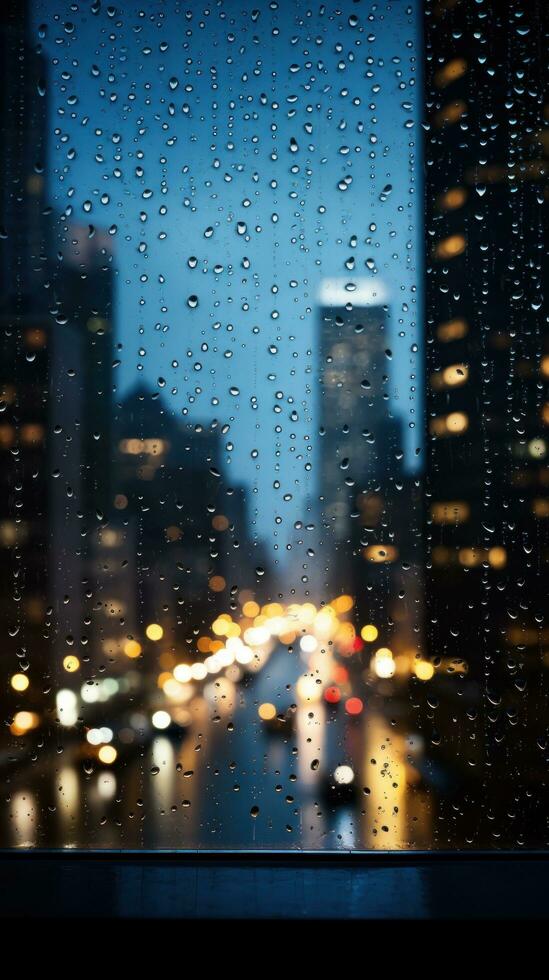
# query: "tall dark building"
[[79, 420], [25, 360], [487, 340], [23, 118], [370, 508]]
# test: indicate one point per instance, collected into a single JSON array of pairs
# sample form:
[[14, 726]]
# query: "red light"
[[332, 694], [353, 706], [357, 643]]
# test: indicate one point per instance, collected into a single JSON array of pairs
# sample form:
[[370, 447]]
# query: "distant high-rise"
[[352, 405], [486, 149], [369, 507]]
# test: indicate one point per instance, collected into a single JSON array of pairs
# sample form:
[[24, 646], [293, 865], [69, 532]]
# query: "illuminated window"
[[380, 553], [450, 247], [450, 377], [451, 71], [452, 330], [450, 113], [496, 557], [450, 512], [453, 424], [151, 447], [452, 199], [35, 338], [220, 522], [32, 434], [7, 436], [9, 531]]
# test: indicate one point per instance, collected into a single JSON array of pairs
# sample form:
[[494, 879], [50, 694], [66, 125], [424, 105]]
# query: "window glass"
[[274, 425]]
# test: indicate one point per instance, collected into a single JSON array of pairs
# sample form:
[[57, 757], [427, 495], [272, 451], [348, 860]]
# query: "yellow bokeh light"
[[497, 557], [454, 375], [71, 663], [107, 754], [23, 722], [250, 609], [380, 553], [154, 632], [19, 682], [456, 330], [450, 247], [369, 633], [423, 670], [343, 603], [450, 72], [132, 649], [454, 198], [450, 512], [266, 711]]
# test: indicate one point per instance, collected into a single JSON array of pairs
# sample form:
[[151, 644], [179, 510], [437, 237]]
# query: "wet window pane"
[[274, 425]]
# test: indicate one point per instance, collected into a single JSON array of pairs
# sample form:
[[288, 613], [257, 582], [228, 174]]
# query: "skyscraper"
[[25, 359], [354, 378], [487, 348], [368, 507], [80, 382]]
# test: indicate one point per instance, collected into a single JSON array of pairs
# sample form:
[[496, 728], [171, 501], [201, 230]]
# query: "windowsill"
[[266, 885]]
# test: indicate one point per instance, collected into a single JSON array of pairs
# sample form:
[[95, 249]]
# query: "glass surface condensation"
[[274, 426]]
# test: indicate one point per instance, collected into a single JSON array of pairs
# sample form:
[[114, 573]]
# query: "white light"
[[226, 658], [110, 686], [198, 671], [106, 734], [182, 673], [308, 644], [161, 719], [89, 693], [256, 635], [234, 643], [106, 785], [67, 707], [383, 664], [307, 688], [94, 736], [245, 655], [344, 775]]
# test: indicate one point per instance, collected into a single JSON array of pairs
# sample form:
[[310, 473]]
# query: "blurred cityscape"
[[165, 682]]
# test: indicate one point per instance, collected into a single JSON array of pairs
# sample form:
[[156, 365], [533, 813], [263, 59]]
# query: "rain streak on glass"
[[274, 425]]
